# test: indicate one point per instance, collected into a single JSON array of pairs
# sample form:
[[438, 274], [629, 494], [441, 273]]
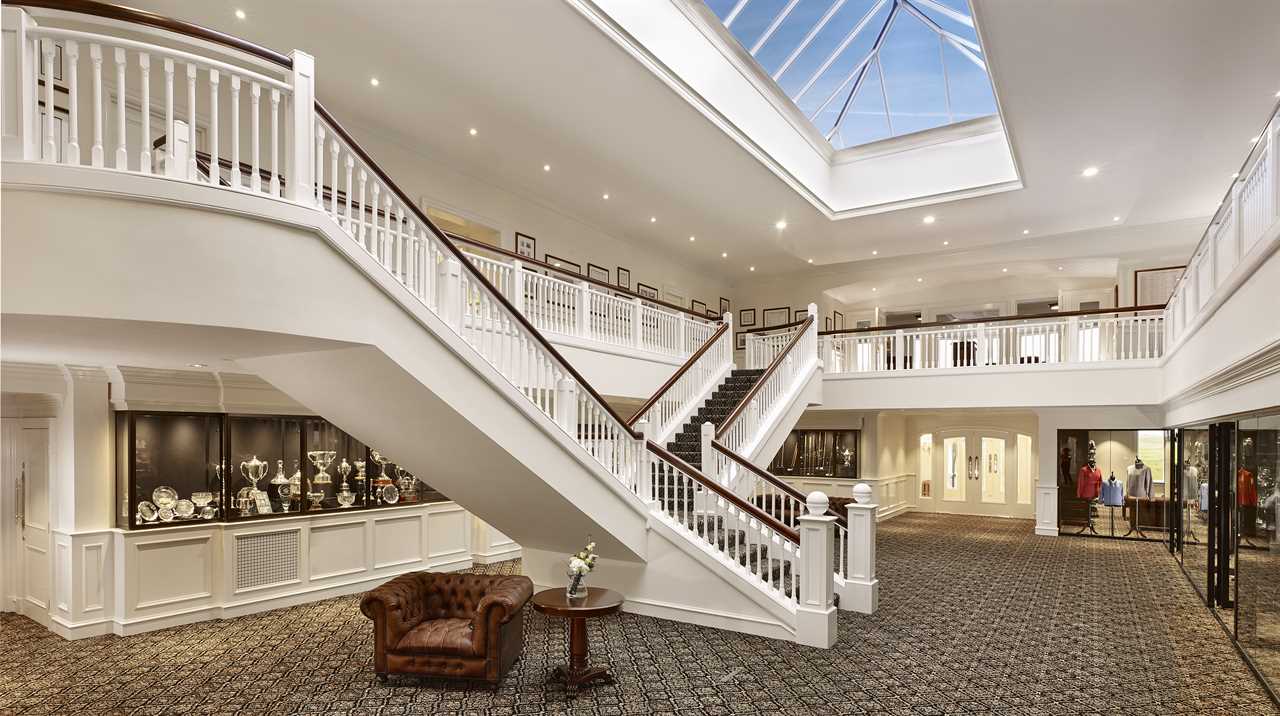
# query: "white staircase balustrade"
[[674, 401], [1082, 337], [787, 372], [588, 310]]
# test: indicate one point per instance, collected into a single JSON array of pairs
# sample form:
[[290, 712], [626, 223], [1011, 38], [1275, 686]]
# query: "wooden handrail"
[[657, 395], [755, 389], [476, 274], [783, 326], [997, 319], [773, 480], [551, 267], [695, 474], [151, 19]]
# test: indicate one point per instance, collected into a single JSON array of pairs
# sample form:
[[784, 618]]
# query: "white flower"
[[578, 566]]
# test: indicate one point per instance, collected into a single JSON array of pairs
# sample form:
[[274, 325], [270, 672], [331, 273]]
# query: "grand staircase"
[[687, 444]]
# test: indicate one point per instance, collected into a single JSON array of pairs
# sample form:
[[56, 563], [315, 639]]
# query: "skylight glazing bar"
[[773, 26], [844, 44], [857, 85], [965, 47], [852, 75], [835, 7], [733, 14], [884, 93], [952, 13], [946, 81]]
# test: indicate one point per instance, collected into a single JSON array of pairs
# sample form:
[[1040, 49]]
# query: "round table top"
[[598, 602]]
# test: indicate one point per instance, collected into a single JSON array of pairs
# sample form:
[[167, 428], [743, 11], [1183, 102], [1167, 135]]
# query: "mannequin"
[[1139, 480], [1247, 491], [1089, 480], [1064, 467], [1112, 492]]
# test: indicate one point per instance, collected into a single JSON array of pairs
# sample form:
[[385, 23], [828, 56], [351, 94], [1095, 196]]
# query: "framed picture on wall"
[[563, 264], [624, 278], [1154, 287], [741, 341], [746, 317], [801, 313], [724, 306], [828, 323], [776, 316], [647, 291], [526, 245], [837, 320], [598, 273], [698, 306]]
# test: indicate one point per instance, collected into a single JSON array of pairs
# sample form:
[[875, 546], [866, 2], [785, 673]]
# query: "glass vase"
[[577, 586]]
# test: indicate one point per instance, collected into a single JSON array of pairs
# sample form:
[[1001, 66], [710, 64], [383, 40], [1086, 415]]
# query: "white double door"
[[984, 472], [25, 573]]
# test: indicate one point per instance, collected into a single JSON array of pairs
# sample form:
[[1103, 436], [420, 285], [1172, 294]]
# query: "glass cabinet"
[[818, 453], [176, 468]]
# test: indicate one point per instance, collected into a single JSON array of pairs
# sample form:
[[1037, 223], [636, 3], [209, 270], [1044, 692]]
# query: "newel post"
[[567, 406], [584, 308], [862, 589], [816, 611], [19, 66], [899, 350], [645, 479], [637, 330], [1073, 339], [708, 434], [517, 286], [449, 298], [300, 144]]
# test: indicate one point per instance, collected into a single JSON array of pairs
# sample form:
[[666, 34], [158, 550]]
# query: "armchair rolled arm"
[[395, 607], [507, 594]]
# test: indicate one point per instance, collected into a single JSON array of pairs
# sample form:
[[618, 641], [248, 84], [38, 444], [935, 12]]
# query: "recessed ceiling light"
[[546, 167], [693, 238], [1115, 218], [810, 260], [1059, 268], [604, 196], [653, 219], [374, 81], [929, 219], [473, 132], [919, 279], [200, 365], [1026, 231], [782, 224], [1089, 172], [724, 254], [240, 16], [752, 268], [873, 288], [946, 243], [1004, 270], [873, 253]]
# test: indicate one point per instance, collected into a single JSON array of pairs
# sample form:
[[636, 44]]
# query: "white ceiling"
[[1161, 95]]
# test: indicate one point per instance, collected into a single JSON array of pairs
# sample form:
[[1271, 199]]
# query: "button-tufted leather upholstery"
[[448, 624]]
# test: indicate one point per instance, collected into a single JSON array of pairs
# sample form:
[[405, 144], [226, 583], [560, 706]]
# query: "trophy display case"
[[194, 468], [818, 453], [169, 469]]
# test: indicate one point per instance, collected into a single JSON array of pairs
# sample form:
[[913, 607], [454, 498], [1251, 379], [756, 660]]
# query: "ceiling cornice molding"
[[247, 393], [19, 377]]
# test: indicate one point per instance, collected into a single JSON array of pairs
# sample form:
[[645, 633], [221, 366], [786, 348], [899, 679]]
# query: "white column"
[[299, 164], [82, 483], [637, 329], [708, 434], [449, 297], [19, 68], [816, 611], [861, 591], [566, 406]]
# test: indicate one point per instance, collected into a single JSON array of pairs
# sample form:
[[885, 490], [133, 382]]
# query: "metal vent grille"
[[266, 558]]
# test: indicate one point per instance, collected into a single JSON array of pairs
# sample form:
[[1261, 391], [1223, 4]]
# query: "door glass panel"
[[1195, 503], [1258, 561], [993, 470], [926, 465], [1026, 484], [955, 469]]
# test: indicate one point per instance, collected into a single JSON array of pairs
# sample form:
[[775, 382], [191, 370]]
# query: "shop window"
[[955, 468], [1107, 483]]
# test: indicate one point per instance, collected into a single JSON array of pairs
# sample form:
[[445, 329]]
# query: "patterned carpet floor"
[[977, 616]]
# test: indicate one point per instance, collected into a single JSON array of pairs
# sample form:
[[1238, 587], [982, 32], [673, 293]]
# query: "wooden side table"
[[597, 603]]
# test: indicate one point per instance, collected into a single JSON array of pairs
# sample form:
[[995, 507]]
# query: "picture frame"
[[776, 316], [741, 341], [698, 307], [563, 264], [724, 306], [598, 273], [526, 245], [1155, 285], [828, 323], [801, 313], [647, 291], [837, 320], [624, 278], [746, 317]]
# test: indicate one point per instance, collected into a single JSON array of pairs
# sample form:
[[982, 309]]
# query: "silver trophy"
[[295, 483], [359, 471], [344, 470], [383, 478], [322, 459], [408, 485], [253, 470]]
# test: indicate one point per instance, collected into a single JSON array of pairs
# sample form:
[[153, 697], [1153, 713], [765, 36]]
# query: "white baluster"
[[275, 142], [170, 145], [144, 153], [255, 121], [333, 179], [375, 238], [72, 53], [319, 161], [192, 173], [362, 229], [49, 148], [350, 165], [386, 230], [95, 153], [215, 165], [235, 132], [122, 154]]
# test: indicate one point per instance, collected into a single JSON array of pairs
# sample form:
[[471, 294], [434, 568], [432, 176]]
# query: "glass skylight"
[[864, 70]]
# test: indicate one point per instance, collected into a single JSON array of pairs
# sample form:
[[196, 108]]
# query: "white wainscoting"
[[892, 494], [128, 582], [488, 545]]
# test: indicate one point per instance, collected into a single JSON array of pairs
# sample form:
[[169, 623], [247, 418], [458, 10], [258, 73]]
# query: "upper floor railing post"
[[1273, 156], [1073, 339], [584, 309], [300, 145], [899, 352], [815, 610], [637, 325], [19, 66]]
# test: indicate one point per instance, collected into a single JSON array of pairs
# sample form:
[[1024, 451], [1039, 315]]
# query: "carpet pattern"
[[977, 616]]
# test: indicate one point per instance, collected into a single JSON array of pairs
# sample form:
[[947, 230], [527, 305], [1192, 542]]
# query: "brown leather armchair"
[[459, 626]]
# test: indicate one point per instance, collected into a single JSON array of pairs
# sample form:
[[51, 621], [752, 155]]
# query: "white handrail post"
[[811, 339], [180, 149], [300, 137], [566, 406], [1274, 158], [708, 434], [1073, 339], [637, 330], [683, 347], [584, 308], [1237, 226], [815, 610], [517, 286], [644, 482], [862, 589], [899, 357], [449, 286], [21, 112]]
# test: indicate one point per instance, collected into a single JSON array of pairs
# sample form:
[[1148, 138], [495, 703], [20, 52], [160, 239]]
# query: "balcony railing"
[[1079, 337]]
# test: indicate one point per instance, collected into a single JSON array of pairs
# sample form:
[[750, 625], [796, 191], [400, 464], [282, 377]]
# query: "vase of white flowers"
[[579, 565]]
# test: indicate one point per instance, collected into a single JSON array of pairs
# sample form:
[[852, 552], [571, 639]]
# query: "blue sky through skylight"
[[864, 70]]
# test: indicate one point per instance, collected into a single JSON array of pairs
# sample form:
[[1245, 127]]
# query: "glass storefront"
[[1115, 483]]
